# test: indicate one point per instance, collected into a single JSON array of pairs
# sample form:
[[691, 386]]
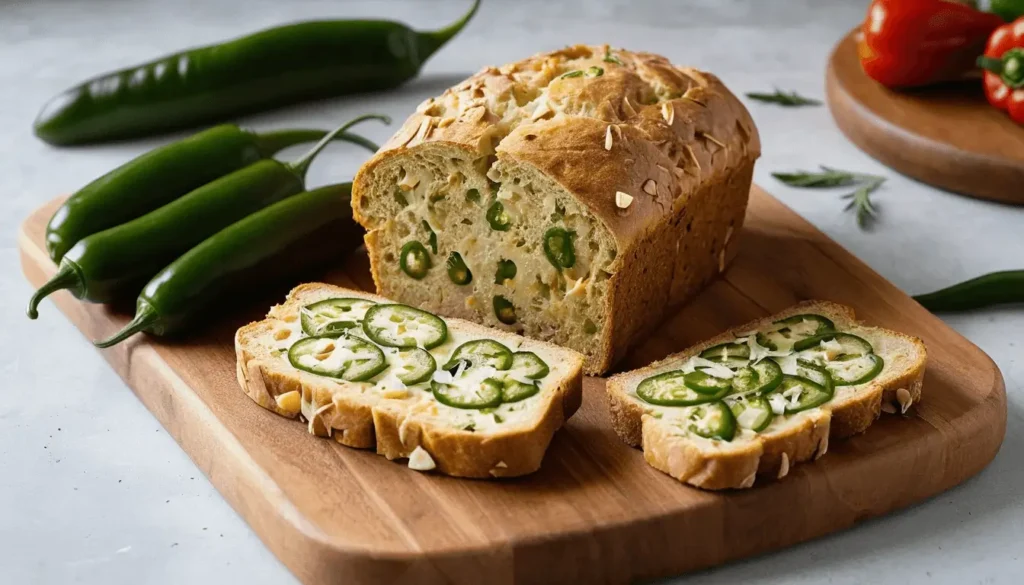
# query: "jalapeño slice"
[[713, 421], [801, 393], [733, 355], [346, 358], [850, 370], [469, 395], [560, 247], [458, 272], [528, 364], [480, 352], [514, 391], [850, 343], [404, 327], [753, 412], [797, 327], [333, 316], [414, 366], [706, 384], [759, 378], [414, 259], [669, 389]]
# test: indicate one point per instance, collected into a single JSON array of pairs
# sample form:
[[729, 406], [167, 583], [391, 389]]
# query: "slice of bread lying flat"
[[765, 396], [570, 197], [448, 395]]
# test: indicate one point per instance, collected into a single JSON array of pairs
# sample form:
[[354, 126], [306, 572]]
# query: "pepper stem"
[[270, 143], [144, 317], [430, 42], [67, 277], [302, 164], [1009, 67]]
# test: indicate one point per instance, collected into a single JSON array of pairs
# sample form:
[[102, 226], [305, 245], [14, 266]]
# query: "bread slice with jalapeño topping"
[[764, 396], [446, 394]]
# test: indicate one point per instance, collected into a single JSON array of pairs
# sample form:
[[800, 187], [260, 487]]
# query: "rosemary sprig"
[[860, 199], [782, 98], [828, 177]]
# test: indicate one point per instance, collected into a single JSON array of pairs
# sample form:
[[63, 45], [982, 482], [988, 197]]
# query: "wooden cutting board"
[[947, 136], [596, 512]]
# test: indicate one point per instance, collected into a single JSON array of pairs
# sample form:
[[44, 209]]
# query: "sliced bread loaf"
[[570, 197], [446, 394], [765, 396]]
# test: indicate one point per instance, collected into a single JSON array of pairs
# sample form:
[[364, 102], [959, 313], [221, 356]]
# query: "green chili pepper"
[[267, 69], [989, 289], [504, 310], [165, 174], [414, 259], [284, 239], [118, 261], [496, 216], [458, 272], [1008, 10], [506, 271], [559, 247]]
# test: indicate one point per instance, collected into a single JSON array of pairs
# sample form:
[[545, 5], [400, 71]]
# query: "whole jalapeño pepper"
[[116, 262], [162, 175], [286, 238], [271, 68]]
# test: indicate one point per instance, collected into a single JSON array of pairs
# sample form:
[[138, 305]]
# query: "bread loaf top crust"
[[629, 134]]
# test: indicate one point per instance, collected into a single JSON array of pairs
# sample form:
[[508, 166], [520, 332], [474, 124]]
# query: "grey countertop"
[[94, 491]]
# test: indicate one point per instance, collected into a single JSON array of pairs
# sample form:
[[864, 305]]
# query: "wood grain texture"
[[947, 135], [596, 512]]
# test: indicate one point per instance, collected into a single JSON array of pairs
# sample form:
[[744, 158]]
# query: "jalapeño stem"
[[145, 316], [300, 166]]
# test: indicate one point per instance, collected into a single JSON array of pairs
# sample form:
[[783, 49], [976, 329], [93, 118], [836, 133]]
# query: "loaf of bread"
[[765, 396], [570, 197], [450, 396]]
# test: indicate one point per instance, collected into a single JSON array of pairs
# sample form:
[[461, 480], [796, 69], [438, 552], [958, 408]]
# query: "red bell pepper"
[[906, 43], [1003, 62]]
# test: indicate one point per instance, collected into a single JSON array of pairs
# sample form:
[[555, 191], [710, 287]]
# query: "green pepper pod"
[[995, 288], [1008, 10], [268, 245], [116, 262], [271, 68], [160, 176]]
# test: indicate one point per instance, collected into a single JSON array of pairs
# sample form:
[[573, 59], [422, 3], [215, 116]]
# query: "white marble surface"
[[94, 491]]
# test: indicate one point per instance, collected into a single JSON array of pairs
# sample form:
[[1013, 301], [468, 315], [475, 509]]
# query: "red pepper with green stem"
[[1003, 63], [906, 43]]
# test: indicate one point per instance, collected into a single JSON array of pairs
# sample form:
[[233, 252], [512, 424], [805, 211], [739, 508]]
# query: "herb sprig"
[[782, 98], [860, 199]]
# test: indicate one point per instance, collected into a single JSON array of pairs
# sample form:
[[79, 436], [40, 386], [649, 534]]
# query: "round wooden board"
[[947, 136]]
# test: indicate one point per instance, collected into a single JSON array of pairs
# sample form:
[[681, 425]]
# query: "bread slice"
[[639, 167], [669, 435], [400, 420]]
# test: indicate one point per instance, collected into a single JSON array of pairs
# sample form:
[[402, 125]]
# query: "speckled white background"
[[92, 490]]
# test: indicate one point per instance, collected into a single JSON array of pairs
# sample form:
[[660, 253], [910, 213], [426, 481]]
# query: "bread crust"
[[387, 424], [674, 138], [805, 437]]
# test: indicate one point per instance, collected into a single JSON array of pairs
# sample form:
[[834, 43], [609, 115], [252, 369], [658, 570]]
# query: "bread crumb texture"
[[570, 197]]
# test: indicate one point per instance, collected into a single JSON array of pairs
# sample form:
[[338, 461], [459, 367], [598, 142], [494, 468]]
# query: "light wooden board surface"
[[596, 512], [947, 136]]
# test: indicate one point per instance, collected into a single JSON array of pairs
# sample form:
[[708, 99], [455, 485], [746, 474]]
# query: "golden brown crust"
[[804, 437], [675, 139], [355, 421]]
